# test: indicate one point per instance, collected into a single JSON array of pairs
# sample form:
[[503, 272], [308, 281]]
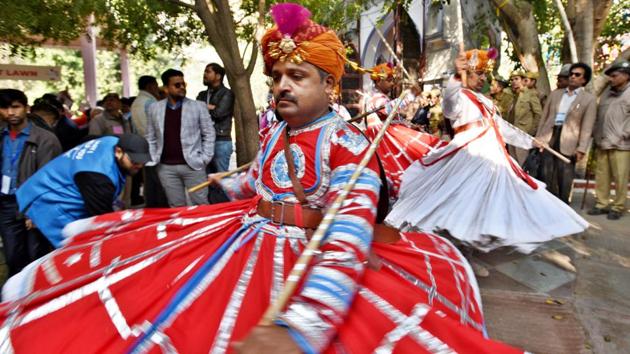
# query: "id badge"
[[6, 184]]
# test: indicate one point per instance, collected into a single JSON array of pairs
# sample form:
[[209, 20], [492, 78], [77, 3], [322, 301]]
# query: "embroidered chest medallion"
[[280, 169]]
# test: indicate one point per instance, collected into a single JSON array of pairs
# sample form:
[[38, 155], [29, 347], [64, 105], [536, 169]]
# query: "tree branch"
[[182, 4], [568, 30], [252, 59]]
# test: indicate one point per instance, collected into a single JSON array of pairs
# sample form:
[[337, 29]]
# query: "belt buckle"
[[273, 221]]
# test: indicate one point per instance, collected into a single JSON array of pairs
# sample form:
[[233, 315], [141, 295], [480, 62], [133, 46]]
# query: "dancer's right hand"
[[214, 178]]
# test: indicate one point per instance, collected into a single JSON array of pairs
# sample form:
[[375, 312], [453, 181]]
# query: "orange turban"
[[381, 71], [481, 59], [298, 39]]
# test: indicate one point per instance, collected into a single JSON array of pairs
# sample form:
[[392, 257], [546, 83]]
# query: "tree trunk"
[[245, 117], [517, 20], [601, 8], [218, 22], [587, 18], [584, 31]]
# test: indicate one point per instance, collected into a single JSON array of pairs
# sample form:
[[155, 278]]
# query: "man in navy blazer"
[[181, 139]]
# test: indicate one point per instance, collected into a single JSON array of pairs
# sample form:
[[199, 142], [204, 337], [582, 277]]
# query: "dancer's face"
[[476, 80], [301, 92]]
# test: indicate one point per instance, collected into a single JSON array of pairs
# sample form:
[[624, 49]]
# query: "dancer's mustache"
[[285, 96]]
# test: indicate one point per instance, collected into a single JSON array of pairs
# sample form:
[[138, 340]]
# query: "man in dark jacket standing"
[[220, 102], [24, 148]]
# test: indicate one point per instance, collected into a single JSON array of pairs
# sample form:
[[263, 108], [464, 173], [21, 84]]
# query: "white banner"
[[29, 72]]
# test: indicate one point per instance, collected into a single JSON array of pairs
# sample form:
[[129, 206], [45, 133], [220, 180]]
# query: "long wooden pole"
[[363, 115], [219, 176], [300, 267], [391, 51]]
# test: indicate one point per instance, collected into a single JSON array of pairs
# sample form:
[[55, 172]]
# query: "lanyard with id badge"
[[15, 149]]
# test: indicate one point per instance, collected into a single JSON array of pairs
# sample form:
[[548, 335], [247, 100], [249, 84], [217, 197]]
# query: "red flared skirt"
[[193, 280]]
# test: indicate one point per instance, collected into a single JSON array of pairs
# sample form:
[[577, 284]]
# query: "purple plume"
[[492, 53], [289, 17]]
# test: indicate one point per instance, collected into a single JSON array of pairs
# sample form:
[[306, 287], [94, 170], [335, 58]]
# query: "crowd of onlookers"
[[187, 139], [568, 120]]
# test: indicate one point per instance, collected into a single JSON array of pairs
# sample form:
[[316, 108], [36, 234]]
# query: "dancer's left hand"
[[267, 339]]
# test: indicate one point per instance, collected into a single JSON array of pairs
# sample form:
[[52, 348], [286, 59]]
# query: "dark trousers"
[[154, 196], [21, 246], [215, 193], [136, 182], [556, 174]]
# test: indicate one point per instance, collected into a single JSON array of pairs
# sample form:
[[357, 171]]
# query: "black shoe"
[[613, 215], [598, 211]]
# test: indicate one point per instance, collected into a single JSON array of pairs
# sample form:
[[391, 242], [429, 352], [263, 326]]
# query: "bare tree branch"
[[252, 59], [245, 51], [182, 4], [568, 30]]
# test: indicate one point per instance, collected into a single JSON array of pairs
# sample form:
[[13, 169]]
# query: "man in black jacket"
[[24, 149], [220, 102]]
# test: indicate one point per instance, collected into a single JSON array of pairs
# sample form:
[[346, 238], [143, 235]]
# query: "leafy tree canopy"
[[141, 25]]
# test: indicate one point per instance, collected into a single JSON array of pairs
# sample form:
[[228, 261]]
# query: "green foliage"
[[618, 20], [108, 70], [334, 14], [546, 14], [141, 26]]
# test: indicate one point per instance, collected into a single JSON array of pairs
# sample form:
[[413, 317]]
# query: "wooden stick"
[[553, 152], [363, 115], [586, 177], [220, 175], [391, 51], [462, 74], [300, 267]]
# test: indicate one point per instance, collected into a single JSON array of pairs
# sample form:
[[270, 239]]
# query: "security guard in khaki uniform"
[[525, 113], [502, 95], [530, 80], [436, 117]]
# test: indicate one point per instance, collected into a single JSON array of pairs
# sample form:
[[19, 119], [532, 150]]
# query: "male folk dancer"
[[472, 188], [401, 145], [199, 279]]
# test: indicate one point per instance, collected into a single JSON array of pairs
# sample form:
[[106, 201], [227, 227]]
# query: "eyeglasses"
[[576, 74], [179, 84]]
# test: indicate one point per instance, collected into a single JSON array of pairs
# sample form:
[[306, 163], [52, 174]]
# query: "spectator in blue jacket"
[[82, 182]]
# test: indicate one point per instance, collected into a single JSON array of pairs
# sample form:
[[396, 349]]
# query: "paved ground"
[[579, 303], [539, 303]]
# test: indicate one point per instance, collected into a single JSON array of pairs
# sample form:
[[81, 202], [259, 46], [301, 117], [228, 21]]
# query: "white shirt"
[[565, 103]]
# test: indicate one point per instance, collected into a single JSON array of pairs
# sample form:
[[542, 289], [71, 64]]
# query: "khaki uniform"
[[436, 120], [526, 115], [612, 139], [107, 124], [504, 101]]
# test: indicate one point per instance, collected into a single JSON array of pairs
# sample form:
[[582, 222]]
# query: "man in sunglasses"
[[181, 138], [566, 126]]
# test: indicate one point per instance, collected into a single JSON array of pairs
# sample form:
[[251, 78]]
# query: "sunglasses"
[[576, 74], [179, 84]]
